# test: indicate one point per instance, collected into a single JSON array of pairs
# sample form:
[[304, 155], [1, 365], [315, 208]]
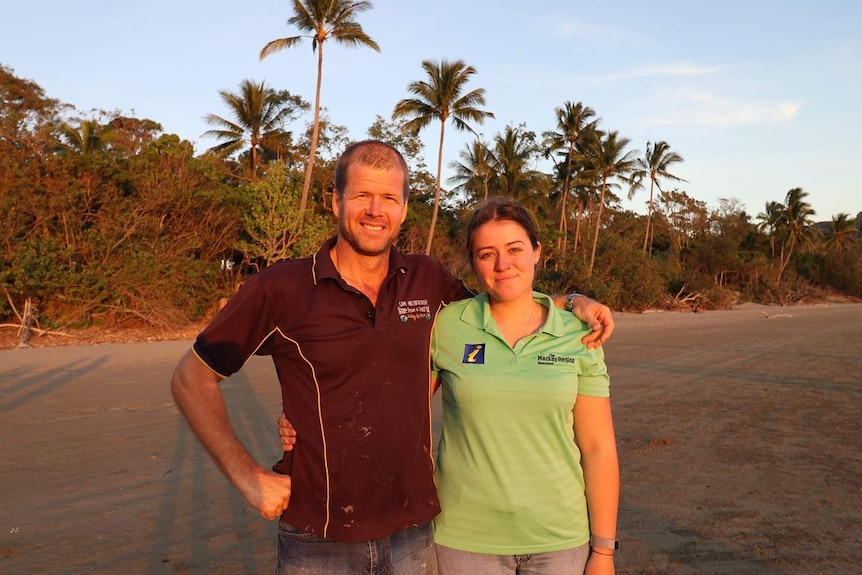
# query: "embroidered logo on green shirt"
[[474, 353], [552, 358]]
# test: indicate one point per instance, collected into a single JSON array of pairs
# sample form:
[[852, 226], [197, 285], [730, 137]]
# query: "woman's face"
[[504, 260]]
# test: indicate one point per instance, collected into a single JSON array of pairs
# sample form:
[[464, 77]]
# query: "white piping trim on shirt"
[[319, 415]]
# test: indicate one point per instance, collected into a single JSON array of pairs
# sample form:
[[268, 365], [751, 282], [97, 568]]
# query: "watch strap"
[[604, 542], [570, 301]]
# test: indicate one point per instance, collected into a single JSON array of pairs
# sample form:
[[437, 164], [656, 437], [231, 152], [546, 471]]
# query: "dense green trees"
[[273, 231], [108, 219]]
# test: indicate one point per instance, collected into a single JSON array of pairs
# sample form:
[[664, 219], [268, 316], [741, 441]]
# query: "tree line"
[[107, 218]]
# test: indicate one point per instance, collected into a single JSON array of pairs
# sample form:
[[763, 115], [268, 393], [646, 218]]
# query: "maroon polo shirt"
[[354, 383]]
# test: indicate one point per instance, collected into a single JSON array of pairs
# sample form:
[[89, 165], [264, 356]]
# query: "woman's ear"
[[537, 256]]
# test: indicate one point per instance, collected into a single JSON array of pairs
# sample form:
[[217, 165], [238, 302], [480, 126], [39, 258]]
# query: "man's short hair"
[[374, 154]]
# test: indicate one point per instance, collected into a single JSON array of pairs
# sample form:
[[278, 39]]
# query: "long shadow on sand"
[[203, 520], [27, 383]]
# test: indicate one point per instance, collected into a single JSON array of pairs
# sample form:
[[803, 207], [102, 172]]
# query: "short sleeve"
[[594, 380], [237, 331]]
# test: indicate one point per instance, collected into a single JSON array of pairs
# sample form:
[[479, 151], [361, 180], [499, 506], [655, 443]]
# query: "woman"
[[527, 467]]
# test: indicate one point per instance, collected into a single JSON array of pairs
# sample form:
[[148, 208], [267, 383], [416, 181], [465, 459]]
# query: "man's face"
[[371, 209]]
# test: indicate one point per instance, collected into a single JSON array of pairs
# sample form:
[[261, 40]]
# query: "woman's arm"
[[594, 434]]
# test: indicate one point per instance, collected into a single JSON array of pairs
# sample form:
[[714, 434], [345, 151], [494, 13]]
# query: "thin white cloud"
[[673, 69], [573, 30], [579, 30], [702, 109]]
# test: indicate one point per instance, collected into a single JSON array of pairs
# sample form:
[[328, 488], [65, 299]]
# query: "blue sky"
[[757, 96]]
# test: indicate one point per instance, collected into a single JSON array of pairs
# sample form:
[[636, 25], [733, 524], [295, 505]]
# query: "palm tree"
[[654, 164], [259, 116], [441, 97], [572, 121], [842, 233], [322, 20], [582, 185], [583, 197], [475, 170], [609, 160], [770, 220], [515, 149], [795, 223], [88, 137]]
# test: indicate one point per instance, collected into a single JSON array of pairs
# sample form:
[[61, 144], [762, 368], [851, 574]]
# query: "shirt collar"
[[477, 313], [323, 266]]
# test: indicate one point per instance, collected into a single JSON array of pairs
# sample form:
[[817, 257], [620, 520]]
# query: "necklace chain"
[[529, 319], [526, 330]]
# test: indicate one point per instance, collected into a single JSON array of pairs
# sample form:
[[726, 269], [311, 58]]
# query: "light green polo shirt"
[[508, 469]]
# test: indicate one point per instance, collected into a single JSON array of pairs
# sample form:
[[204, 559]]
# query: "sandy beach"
[[738, 432]]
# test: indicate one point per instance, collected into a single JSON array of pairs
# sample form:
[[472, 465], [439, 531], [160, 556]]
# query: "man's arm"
[[596, 315], [197, 392]]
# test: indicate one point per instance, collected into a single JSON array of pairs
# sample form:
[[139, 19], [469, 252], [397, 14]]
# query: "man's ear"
[[404, 212], [335, 199]]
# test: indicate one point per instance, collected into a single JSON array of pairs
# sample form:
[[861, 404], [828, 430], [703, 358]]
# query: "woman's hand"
[[598, 564], [286, 433]]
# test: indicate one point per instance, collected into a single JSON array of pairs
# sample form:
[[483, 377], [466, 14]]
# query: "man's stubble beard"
[[353, 241]]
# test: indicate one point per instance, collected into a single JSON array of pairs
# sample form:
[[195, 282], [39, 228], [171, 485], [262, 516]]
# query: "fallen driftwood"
[[25, 327], [767, 316], [687, 301], [36, 330]]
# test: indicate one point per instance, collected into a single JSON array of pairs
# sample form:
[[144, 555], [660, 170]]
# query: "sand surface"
[[740, 440]]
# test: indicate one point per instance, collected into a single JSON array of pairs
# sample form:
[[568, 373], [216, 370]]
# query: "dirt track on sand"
[[739, 439]]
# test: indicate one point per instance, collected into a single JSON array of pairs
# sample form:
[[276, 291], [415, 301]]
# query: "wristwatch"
[[604, 543], [570, 301]]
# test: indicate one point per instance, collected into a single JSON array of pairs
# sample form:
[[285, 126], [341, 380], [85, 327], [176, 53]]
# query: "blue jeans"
[[407, 552], [565, 562]]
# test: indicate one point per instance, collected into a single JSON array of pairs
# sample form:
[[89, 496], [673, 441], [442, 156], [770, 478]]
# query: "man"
[[349, 331]]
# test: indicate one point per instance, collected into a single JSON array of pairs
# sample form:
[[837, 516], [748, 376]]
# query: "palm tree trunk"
[[649, 215], [315, 132], [598, 224], [253, 154], [487, 175], [786, 260], [562, 219], [579, 210], [651, 238], [437, 191], [561, 241]]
